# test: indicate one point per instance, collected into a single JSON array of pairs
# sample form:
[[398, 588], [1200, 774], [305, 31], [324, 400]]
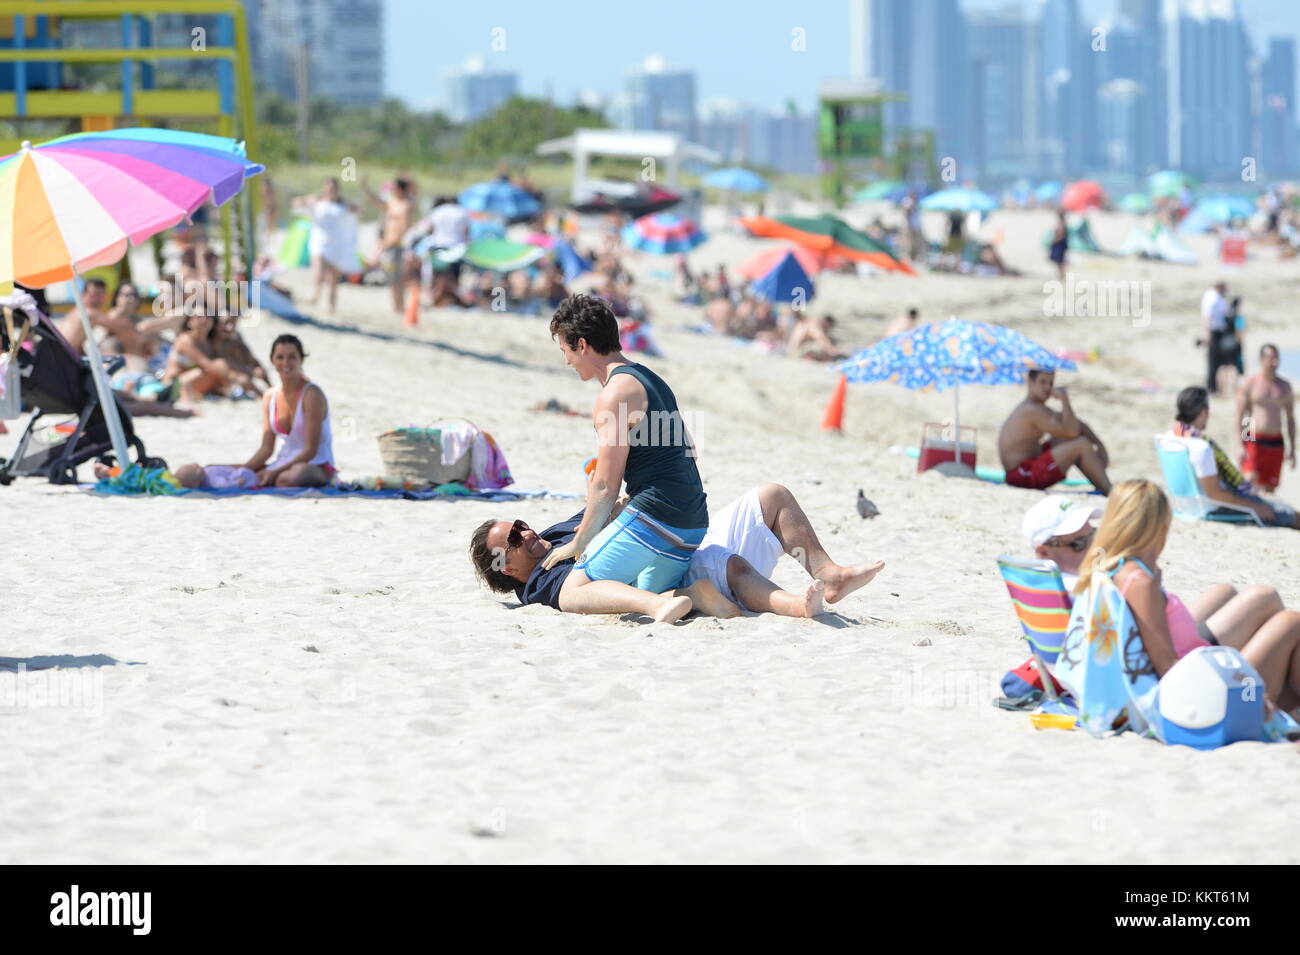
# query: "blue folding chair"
[[1190, 501]]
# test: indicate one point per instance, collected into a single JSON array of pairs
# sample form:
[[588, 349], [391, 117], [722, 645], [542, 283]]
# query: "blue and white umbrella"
[[959, 200], [736, 180], [500, 197]]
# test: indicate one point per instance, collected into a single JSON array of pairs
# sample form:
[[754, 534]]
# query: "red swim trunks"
[[1038, 473], [1262, 460]]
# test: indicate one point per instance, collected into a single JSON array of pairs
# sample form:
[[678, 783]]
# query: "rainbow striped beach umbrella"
[[665, 233], [79, 201]]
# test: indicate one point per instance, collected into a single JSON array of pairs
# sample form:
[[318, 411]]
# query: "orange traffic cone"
[[833, 420], [412, 304]]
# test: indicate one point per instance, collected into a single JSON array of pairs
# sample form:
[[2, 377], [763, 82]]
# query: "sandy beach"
[[263, 680]]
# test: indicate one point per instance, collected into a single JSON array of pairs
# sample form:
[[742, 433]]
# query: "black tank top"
[[662, 480]]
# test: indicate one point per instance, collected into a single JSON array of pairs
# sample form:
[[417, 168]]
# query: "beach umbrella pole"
[[956, 422], [102, 387]]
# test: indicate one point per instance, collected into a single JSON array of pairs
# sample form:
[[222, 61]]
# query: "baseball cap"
[[1056, 516]]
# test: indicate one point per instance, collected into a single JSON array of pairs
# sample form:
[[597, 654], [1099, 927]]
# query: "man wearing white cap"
[[1060, 529]]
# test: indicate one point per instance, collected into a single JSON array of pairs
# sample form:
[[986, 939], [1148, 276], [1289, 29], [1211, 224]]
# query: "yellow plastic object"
[[1052, 721]]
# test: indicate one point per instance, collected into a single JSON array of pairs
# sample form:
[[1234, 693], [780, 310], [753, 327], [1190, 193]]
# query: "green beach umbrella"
[[1136, 203], [879, 190], [501, 255]]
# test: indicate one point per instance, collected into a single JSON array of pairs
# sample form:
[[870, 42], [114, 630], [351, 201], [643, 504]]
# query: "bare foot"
[[673, 609], [842, 581], [812, 598]]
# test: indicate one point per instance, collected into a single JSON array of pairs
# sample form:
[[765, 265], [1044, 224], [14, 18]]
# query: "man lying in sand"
[[728, 573], [641, 439], [1034, 463]]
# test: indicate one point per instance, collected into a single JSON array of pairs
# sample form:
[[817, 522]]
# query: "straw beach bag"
[[415, 454]]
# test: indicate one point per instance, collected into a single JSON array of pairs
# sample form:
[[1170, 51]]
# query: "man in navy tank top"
[[641, 440]]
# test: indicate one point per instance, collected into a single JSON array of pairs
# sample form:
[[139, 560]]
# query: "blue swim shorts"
[[638, 550]]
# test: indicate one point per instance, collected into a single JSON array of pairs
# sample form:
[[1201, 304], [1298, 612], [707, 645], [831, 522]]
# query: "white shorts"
[[738, 528]]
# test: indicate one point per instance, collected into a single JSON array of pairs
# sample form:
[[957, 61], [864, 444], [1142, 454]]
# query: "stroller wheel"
[[64, 475], [150, 464]]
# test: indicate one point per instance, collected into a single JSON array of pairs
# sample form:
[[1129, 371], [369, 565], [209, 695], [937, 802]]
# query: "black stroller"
[[55, 380]]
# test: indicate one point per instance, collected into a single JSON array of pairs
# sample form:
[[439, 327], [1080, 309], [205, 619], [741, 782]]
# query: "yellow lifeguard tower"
[[32, 86]]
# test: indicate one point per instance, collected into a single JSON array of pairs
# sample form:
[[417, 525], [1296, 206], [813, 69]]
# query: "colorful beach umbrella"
[[636, 203], [665, 233], [80, 201], [1083, 195], [294, 252], [501, 255], [828, 235], [759, 265], [735, 179], [500, 197], [950, 354], [786, 282], [1215, 211], [959, 200], [1136, 203], [1048, 191]]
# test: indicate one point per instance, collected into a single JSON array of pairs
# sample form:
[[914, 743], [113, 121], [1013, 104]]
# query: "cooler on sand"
[[1210, 698], [938, 446]]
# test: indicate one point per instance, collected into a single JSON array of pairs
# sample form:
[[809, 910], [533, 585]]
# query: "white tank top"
[[296, 440]]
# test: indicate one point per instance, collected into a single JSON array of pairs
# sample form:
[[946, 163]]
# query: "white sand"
[[323, 681]]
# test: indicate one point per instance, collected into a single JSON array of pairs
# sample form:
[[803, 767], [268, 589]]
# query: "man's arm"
[[1288, 410], [1059, 424], [1243, 411], [1216, 492]]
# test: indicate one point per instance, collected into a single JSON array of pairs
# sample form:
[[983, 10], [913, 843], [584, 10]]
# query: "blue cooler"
[[1210, 698]]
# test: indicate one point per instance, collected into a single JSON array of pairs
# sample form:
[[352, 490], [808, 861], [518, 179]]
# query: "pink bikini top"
[[1183, 630]]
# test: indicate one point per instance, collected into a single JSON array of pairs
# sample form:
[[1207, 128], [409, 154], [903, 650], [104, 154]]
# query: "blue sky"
[[739, 49]]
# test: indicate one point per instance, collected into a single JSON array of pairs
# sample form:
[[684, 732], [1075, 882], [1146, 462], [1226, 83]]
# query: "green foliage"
[[516, 128]]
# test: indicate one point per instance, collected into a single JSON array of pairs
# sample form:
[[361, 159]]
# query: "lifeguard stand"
[[32, 78]]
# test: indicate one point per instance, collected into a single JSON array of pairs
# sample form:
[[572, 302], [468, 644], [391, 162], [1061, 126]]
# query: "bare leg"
[[782, 513], [580, 595], [1082, 453], [303, 475], [334, 288], [318, 274], [759, 594], [708, 600], [1274, 651], [1241, 618]]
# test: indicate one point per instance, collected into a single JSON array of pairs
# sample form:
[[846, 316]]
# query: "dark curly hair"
[[589, 317], [484, 559]]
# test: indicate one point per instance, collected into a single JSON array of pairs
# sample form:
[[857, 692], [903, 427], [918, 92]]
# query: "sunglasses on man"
[[516, 536]]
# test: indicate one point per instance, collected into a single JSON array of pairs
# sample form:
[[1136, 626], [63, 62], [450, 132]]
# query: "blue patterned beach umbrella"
[[950, 354], [500, 197], [785, 282]]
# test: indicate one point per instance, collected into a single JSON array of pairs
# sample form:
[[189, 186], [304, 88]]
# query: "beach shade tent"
[[294, 252], [1079, 235], [939, 356], [1159, 243], [664, 233], [1083, 195], [786, 282], [1136, 203], [881, 190], [502, 198], [759, 265], [628, 199], [570, 262], [80, 201], [1169, 183], [959, 200], [1048, 191], [735, 179], [828, 235], [1215, 211], [499, 255]]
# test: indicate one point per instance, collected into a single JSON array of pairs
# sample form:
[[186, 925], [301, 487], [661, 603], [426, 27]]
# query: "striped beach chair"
[[1043, 607]]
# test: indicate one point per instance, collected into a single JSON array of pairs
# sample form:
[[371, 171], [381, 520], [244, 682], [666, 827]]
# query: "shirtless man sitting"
[[399, 216], [728, 573], [1264, 401], [93, 296], [1033, 462]]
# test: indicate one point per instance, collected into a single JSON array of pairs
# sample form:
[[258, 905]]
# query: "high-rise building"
[[1209, 84], [475, 92], [1068, 92], [1002, 128], [1134, 52], [1277, 116], [784, 141], [917, 48], [660, 98], [341, 43]]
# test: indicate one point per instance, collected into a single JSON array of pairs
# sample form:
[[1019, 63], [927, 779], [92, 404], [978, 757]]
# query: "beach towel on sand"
[[1105, 667]]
